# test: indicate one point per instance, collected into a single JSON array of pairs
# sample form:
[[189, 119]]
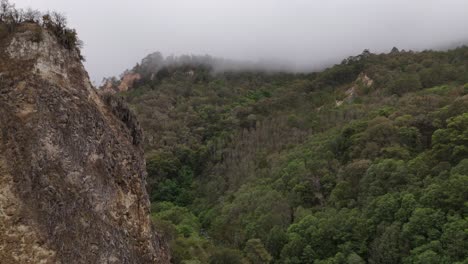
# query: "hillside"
[[363, 162], [72, 171]]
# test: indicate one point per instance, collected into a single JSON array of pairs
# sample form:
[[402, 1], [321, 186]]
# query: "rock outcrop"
[[126, 82], [72, 172], [362, 81]]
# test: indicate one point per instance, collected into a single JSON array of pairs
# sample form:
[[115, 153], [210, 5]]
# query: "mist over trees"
[[156, 61]]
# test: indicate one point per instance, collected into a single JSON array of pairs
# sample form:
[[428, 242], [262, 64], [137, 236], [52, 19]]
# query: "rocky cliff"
[[72, 172]]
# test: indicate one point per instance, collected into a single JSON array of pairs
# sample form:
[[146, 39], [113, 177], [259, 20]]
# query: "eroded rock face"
[[125, 83], [72, 172]]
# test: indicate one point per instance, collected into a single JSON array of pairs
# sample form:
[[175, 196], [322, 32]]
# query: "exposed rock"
[[190, 73], [351, 93], [364, 80], [125, 83], [128, 80], [72, 172]]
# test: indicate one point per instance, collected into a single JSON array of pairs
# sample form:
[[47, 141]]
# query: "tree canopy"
[[363, 162]]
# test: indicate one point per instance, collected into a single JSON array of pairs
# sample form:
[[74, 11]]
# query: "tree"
[[31, 16], [394, 50], [451, 143], [405, 83], [256, 253], [308, 255], [384, 176], [59, 20], [425, 225], [226, 256], [386, 248], [276, 240], [9, 14], [5, 10]]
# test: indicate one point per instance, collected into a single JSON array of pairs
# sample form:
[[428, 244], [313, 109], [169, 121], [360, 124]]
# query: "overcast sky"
[[119, 33]]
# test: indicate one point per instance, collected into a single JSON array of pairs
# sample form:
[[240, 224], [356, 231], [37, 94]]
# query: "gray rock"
[[72, 172]]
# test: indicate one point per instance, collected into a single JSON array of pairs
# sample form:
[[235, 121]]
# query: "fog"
[[304, 34]]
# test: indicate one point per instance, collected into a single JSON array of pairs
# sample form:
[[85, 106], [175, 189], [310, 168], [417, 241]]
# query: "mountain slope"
[[364, 162]]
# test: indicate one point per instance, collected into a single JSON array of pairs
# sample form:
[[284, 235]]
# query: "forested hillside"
[[363, 162]]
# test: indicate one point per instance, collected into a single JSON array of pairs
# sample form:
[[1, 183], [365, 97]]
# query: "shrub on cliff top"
[[54, 22]]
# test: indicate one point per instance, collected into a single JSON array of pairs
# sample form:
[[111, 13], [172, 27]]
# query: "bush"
[[227, 256], [404, 84], [56, 23], [256, 252]]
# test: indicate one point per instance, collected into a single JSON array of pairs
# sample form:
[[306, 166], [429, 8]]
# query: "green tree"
[[275, 241], [255, 252], [451, 144], [405, 83], [226, 256]]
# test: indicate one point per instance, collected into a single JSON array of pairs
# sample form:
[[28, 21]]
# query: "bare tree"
[[5, 10], [59, 20], [31, 16], [16, 16]]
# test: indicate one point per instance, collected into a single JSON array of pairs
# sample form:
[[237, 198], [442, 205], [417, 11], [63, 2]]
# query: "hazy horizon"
[[302, 34]]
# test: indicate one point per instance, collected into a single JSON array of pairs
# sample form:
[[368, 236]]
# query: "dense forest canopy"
[[363, 162]]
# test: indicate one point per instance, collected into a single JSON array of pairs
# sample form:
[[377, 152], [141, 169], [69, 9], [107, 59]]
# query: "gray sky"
[[307, 33]]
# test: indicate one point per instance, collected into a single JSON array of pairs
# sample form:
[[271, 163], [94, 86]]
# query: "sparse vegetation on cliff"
[[11, 18]]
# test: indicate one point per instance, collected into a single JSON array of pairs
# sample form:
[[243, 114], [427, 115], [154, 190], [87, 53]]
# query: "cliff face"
[[72, 172]]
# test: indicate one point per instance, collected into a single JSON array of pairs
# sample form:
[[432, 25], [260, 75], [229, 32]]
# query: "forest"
[[363, 162]]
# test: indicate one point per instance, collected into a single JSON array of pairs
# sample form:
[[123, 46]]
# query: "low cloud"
[[299, 34]]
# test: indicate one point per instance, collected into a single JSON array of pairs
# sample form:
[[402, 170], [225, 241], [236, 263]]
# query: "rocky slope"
[[72, 172]]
